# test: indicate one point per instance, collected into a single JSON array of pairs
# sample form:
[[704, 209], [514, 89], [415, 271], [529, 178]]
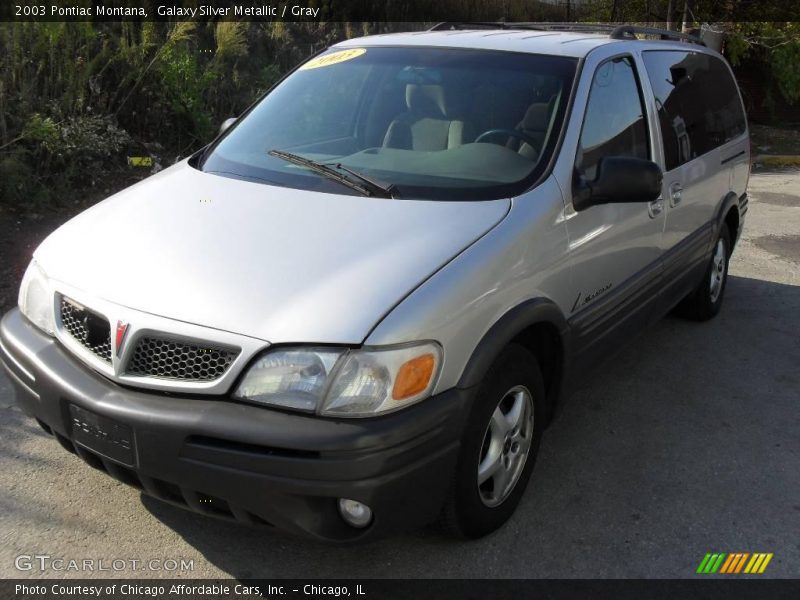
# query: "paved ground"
[[688, 443]]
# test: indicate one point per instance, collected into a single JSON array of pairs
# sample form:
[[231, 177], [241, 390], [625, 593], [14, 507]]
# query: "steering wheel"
[[508, 132]]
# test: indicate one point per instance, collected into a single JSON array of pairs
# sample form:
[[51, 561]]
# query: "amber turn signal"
[[413, 377]]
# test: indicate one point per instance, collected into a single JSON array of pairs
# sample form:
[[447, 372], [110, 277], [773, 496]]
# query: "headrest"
[[536, 116], [427, 100]]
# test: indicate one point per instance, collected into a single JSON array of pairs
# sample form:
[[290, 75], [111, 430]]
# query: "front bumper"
[[241, 462]]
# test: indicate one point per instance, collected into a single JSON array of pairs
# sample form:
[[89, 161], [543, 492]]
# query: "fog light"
[[355, 513]]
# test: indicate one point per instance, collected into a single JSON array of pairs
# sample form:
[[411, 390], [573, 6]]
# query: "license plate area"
[[102, 435]]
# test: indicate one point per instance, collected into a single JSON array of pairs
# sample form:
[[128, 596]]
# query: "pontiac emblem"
[[122, 329]]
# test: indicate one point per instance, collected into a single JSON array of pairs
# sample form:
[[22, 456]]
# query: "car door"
[[614, 248], [702, 128]]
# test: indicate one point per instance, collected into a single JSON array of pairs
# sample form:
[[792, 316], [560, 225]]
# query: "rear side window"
[[614, 124], [697, 100]]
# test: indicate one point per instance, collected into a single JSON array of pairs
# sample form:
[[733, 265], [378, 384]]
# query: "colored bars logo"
[[737, 562]]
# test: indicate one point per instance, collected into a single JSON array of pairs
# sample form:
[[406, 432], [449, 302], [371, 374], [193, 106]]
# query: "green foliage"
[[76, 98], [785, 65], [79, 140], [184, 83], [775, 47], [41, 129]]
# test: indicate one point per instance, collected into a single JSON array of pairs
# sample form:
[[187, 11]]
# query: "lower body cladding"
[[245, 463]]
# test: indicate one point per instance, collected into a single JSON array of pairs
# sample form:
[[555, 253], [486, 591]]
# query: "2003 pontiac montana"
[[356, 310]]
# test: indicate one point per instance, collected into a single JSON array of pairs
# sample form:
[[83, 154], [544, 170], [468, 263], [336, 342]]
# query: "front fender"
[[516, 273]]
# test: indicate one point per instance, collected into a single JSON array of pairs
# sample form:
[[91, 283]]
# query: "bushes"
[[51, 155], [75, 142], [76, 98], [773, 50]]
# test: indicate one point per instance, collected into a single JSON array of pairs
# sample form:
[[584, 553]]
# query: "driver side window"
[[614, 123]]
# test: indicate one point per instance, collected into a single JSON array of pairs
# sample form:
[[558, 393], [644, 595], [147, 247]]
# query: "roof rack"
[[616, 32], [627, 32], [543, 26], [453, 25]]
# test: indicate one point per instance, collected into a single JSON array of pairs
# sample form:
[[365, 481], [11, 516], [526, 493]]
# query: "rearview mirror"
[[226, 124], [619, 179]]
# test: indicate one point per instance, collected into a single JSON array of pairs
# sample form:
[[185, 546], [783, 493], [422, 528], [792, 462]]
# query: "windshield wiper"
[[387, 190], [367, 187]]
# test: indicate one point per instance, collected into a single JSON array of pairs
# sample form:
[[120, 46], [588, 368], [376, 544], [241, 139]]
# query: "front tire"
[[499, 446], [705, 302]]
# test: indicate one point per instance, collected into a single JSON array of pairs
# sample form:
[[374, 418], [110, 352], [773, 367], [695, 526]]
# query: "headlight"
[[291, 378], [342, 382], [35, 298]]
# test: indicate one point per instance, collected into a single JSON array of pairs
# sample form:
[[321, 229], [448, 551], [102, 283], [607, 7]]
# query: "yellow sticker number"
[[327, 60]]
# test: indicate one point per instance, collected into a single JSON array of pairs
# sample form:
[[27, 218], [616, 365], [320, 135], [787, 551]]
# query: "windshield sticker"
[[334, 58]]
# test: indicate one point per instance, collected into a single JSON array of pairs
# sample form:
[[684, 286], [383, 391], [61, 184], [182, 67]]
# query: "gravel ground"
[[688, 442]]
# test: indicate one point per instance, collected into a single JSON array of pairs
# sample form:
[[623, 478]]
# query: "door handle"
[[655, 207], [675, 194]]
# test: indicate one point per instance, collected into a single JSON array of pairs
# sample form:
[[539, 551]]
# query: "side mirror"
[[619, 179], [226, 124]]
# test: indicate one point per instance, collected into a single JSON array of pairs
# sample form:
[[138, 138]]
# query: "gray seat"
[[431, 122], [497, 107], [534, 124]]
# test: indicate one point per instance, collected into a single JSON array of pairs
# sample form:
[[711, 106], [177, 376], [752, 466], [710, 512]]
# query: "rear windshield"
[[436, 123]]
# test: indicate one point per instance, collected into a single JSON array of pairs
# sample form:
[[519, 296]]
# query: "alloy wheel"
[[718, 265], [505, 447]]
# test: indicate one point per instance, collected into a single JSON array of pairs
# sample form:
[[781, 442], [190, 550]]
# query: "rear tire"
[[705, 302], [498, 447]]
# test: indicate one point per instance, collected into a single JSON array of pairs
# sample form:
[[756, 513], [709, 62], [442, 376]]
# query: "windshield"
[[432, 123]]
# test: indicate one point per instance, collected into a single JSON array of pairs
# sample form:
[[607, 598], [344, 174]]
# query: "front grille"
[[89, 329], [170, 359]]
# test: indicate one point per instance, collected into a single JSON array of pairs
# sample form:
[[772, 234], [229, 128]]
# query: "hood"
[[275, 263]]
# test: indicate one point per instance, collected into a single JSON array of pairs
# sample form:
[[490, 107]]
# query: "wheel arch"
[[538, 325], [728, 216]]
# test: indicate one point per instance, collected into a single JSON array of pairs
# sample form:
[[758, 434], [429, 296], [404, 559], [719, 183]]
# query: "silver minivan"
[[355, 312]]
